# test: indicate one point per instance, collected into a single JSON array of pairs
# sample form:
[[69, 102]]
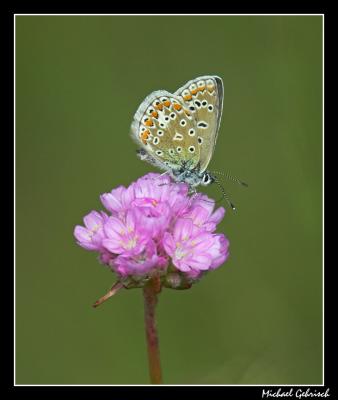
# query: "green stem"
[[150, 292]]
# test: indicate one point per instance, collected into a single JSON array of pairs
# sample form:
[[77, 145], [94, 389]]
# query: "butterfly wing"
[[167, 132], [203, 97]]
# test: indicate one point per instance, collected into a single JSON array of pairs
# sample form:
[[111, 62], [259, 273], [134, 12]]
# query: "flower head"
[[156, 228]]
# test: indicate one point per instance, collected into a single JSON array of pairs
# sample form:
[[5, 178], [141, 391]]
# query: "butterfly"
[[178, 132]]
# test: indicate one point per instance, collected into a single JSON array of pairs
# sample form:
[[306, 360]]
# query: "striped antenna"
[[225, 196], [232, 178]]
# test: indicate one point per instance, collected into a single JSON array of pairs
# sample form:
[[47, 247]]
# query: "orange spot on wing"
[[167, 103], [177, 107], [154, 114], [187, 97], [202, 88], [159, 106], [149, 122], [144, 136], [194, 91]]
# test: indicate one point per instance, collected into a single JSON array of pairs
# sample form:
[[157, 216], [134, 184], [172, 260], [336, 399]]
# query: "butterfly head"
[[193, 177]]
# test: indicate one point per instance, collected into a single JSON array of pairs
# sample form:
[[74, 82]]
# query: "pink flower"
[[118, 200], [201, 212], [156, 227], [90, 237], [125, 237], [194, 248], [141, 264]]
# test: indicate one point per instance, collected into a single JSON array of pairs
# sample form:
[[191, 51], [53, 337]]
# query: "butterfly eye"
[[156, 140], [206, 179], [210, 108], [163, 99], [183, 122], [172, 115], [197, 103], [200, 140], [204, 103], [171, 152], [162, 125], [192, 149], [160, 133], [159, 152], [178, 149], [191, 132], [150, 110]]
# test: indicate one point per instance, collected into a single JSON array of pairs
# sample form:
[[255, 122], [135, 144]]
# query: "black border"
[[247, 392]]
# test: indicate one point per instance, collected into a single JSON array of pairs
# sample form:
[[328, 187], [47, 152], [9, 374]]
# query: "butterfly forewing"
[[203, 97], [167, 131]]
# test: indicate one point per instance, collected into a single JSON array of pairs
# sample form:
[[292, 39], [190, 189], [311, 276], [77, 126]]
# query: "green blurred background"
[[79, 80]]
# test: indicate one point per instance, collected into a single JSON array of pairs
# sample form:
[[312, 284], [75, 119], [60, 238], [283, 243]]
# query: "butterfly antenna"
[[230, 177], [225, 196]]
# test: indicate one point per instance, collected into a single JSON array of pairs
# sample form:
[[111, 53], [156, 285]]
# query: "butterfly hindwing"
[[167, 131], [203, 97]]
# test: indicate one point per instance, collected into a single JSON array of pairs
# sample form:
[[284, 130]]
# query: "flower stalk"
[[150, 293]]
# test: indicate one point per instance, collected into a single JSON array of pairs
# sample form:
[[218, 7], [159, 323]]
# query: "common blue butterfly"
[[178, 132]]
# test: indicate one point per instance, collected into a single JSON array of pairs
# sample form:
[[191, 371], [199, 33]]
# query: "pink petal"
[[131, 220], [93, 220], [181, 265], [113, 226], [204, 201], [217, 262], [128, 196], [201, 262], [113, 246], [168, 244], [113, 200], [183, 229], [217, 216], [199, 215], [84, 238], [82, 234]]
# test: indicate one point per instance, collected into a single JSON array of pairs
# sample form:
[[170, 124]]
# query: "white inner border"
[[180, 15]]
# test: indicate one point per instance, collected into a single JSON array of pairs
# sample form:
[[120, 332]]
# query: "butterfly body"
[[177, 132], [193, 177]]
